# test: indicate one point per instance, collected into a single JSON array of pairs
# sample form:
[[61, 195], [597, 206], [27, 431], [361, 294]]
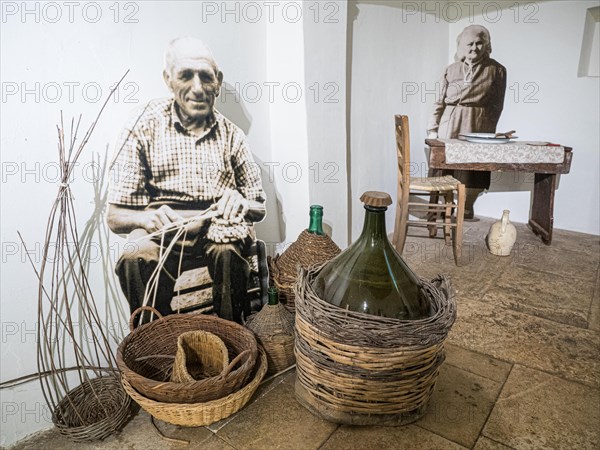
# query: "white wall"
[[397, 55], [540, 47], [37, 51], [325, 71], [285, 66]]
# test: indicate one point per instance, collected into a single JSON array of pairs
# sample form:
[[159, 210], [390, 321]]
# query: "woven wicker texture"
[[362, 369], [146, 355], [309, 249], [445, 183], [273, 326], [93, 410], [202, 414], [200, 355]]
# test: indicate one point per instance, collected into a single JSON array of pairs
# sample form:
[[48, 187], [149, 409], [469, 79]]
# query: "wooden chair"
[[193, 289], [443, 188]]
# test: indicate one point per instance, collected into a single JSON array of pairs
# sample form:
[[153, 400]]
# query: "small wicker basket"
[[360, 369], [201, 414], [273, 326], [200, 355], [93, 410]]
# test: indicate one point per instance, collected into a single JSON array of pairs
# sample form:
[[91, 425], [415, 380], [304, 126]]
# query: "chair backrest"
[[403, 155]]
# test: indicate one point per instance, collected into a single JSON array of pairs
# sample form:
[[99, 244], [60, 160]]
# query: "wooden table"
[[541, 219]]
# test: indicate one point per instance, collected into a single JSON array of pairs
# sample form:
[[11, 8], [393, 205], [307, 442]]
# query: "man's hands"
[[124, 219], [229, 206], [155, 219], [232, 204]]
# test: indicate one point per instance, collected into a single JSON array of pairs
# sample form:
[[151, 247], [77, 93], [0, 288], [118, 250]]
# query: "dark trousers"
[[227, 266]]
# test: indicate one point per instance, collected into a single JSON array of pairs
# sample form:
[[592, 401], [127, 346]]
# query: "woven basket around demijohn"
[[273, 326], [313, 247], [359, 369]]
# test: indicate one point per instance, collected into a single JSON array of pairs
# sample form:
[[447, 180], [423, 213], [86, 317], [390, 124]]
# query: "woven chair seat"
[[446, 183]]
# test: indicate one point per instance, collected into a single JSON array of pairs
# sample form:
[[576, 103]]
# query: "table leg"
[[541, 220]]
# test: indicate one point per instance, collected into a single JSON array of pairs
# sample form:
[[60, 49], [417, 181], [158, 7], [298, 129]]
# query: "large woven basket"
[[309, 249], [201, 414], [93, 410], [273, 326], [360, 369], [146, 355]]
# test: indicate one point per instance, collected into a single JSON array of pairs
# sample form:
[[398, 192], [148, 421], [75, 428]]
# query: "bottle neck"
[[273, 295], [316, 220], [374, 225]]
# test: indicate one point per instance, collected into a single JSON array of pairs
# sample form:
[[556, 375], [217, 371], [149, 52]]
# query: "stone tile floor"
[[522, 368]]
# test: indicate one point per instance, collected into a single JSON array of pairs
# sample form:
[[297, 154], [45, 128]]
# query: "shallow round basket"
[[93, 410], [146, 355], [201, 414], [359, 369]]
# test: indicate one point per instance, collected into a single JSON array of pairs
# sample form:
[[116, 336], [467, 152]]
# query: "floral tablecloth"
[[519, 152]]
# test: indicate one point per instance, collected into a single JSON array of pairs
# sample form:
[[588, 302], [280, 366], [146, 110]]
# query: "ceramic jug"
[[502, 236]]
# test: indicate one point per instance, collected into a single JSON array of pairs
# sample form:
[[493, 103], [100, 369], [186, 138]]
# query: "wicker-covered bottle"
[[313, 246], [370, 276], [273, 326]]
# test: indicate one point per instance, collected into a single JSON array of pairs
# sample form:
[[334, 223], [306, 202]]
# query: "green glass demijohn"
[[370, 276]]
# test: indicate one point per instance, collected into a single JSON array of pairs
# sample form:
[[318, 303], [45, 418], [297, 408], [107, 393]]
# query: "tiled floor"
[[522, 368]]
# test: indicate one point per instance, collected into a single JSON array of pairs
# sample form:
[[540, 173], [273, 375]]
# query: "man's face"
[[472, 45], [195, 86]]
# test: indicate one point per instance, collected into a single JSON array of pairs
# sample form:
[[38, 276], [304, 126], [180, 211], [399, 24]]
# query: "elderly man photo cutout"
[[178, 158], [471, 101]]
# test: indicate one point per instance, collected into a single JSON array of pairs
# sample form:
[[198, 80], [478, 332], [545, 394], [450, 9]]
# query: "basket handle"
[[140, 309], [233, 362]]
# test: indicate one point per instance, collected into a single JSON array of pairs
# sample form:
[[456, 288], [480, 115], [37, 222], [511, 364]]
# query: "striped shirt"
[[159, 160]]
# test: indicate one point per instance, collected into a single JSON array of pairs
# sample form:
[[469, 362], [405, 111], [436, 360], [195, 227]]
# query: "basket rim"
[[127, 371], [249, 387]]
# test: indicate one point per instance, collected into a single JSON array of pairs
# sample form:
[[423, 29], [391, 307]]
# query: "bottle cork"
[[376, 199]]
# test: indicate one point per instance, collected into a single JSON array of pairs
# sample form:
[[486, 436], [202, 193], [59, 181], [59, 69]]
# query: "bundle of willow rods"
[[96, 232], [70, 331]]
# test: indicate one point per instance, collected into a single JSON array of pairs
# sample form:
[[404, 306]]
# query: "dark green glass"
[[273, 294], [371, 277], [316, 220]]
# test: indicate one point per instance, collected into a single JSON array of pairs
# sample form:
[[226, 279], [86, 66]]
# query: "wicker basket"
[[360, 369], [200, 355], [145, 357], [93, 410], [201, 414], [273, 325], [309, 249]]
